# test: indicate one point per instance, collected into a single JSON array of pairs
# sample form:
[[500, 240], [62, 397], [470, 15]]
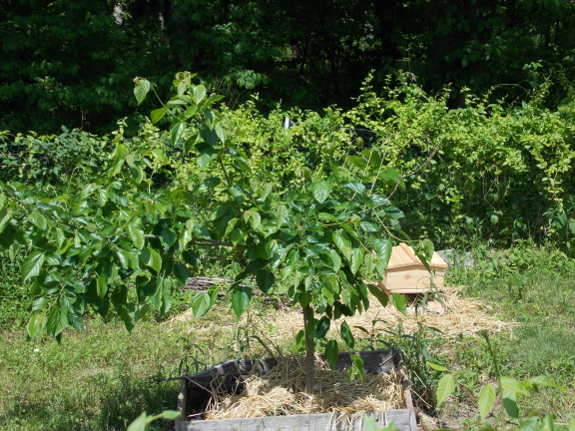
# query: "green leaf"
[[346, 335], [177, 130], [511, 408], [331, 352], [198, 92], [486, 400], [5, 217], [400, 303], [137, 236], [139, 424], [371, 425], [343, 243], [57, 318], [200, 304], [436, 367], [157, 114], [141, 89], [34, 324], [378, 293], [532, 423], [357, 161], [38, 220], [241, 297], [127, 259], [356, 260], [445, 388], [32, 265], [320, 190], [265, 280], [220, 133], [170, 415], [128, 316], [512, 385], [102, 286], [151, 258], [358, 366], [382, 248], [181, 273], [549, 422]]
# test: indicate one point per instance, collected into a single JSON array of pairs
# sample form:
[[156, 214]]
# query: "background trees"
[[71, 62]]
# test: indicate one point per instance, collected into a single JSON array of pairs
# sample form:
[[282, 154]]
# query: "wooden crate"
[[406, 273], [229, 375]]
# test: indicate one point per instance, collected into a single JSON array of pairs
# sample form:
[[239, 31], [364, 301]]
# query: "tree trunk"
[[310, 354]]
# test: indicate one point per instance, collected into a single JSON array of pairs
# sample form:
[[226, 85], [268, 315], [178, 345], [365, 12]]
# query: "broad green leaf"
[[265, 280], [200, 304], [486, 400], [137, 236], [549, 422], [241, 297], [436, 367], [191, 257], [168, 237], [511, 408], [320, 190], [181, 273], [198, 92], [378, 293], [382, 248], [399, 302], [5, 217], [141, 89], [102, 286], [331, 353], [170, 415], [157, 114], [128, 316], [220, 133], [358, 365], [139, 424], [38, 220], [356, 260], [343, 243], [335, 259], [531, 423], [151, 258], [57, 318], [445, 388], [34, 324], [32, 265], [127, 259], [177, 130], [346, 335], [357, 161], [512, 385]]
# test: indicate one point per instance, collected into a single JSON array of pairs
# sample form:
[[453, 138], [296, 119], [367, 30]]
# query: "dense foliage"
[[71, 62]]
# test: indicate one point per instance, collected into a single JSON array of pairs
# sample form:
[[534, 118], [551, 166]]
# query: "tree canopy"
[[71, 62]]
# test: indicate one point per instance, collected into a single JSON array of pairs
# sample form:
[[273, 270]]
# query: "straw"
[[281, 392]]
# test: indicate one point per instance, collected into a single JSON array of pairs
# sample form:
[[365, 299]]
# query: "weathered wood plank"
[[403, 419], [316, 422]]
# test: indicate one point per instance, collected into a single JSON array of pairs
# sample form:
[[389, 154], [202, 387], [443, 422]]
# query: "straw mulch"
[[281, 392], [457, 316]]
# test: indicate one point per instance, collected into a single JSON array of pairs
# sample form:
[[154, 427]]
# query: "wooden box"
[[406, 273], [229, 375]]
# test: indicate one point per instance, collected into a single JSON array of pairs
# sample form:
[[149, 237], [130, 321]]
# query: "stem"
[[310, 351]]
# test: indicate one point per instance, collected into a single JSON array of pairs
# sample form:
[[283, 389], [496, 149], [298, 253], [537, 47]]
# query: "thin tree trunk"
[[310, 354]]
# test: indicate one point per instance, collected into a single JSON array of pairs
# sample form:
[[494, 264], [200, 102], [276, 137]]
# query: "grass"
[[103, 378], [535, 288]]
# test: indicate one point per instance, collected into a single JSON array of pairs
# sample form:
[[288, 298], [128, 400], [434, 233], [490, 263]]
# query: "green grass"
[[536, 289]]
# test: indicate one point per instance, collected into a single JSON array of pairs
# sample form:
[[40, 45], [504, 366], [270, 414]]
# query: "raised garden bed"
[[196, 392]]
